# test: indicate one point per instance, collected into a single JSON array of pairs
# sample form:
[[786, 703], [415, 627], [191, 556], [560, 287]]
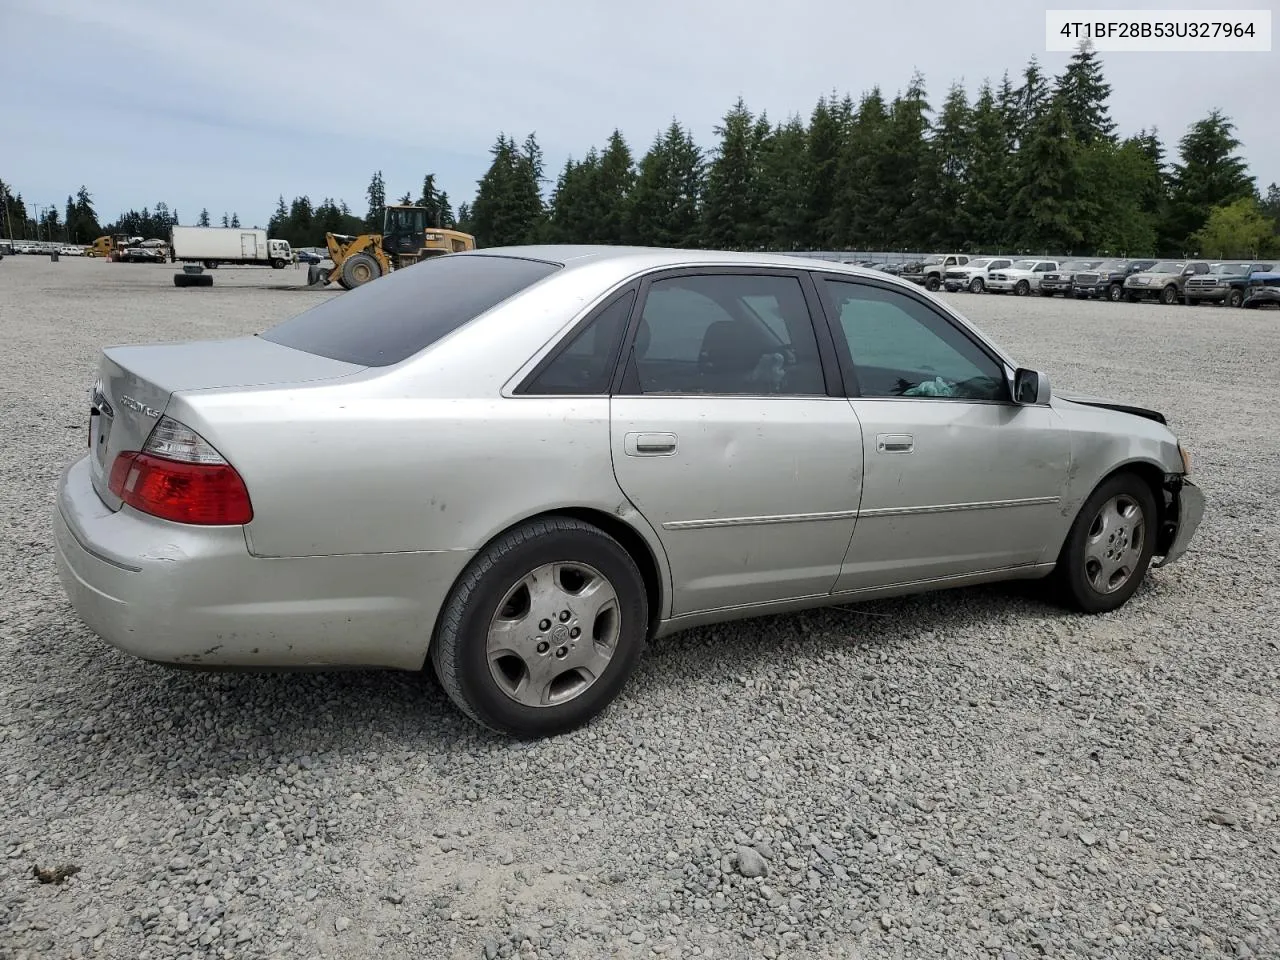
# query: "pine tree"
[[986, 197], [947, 221], [825, 153], [731, 206], [573, 216], [508, 208], [203, 221], [376, 194], [1209, 175], [225, 222], [235, 220], [1085, 94], [858, 218], [614, 182], [1047, 205], [785, 186], [905, 158], [665, 207]]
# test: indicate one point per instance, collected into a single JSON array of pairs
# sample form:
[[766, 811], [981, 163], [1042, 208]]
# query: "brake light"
[[179, 476]]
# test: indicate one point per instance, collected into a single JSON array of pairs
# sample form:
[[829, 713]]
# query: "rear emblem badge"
[[139, 406]]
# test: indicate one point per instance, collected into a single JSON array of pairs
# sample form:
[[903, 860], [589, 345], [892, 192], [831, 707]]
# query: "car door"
[[957, 479], [726, 437]]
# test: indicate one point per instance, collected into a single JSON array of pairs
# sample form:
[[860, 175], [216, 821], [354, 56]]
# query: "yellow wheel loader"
[[406, 238]]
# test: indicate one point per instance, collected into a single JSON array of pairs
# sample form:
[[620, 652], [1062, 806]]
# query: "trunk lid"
[[135, 383]]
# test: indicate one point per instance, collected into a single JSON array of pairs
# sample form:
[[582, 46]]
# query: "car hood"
[[1106, 404], [1156, 276]]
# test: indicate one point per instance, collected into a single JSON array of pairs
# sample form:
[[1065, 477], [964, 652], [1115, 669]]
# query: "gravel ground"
[[963, 774]]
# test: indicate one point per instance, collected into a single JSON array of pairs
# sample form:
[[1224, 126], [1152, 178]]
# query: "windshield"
[[1079, 265], [1166, 266], [980, 262], [1229, 269], [1111, 265], [929, 261], [1024, 265]]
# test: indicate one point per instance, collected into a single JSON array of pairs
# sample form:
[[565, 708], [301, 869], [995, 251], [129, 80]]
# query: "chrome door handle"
[[895, 443], [649, 444]]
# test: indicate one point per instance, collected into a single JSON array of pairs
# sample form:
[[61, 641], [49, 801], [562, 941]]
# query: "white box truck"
[[211, 246]]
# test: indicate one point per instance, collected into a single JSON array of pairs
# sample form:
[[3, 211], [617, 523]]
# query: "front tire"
[[1235, 298], [543, 628], [932, 283], [1115, 293], [976, 285], [1022, 288], [277, 264], [358, 270], [1109, 547], [1169, 295]]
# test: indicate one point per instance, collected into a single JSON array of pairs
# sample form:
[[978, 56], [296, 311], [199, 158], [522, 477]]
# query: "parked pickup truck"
[[972, 276], [1263, 290], [930, 271], [1225, 283], [1021, 276], [1060, 280], [1107, 279], [1164, 281]]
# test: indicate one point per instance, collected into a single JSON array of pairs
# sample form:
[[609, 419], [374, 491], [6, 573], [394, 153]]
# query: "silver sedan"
[[521, 464]]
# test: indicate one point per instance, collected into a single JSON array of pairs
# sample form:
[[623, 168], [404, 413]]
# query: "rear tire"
[[192, 280], [359, 269], [1109, 547], [505, 649]]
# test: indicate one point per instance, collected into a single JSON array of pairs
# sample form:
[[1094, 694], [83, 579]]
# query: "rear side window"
[[394, 317]]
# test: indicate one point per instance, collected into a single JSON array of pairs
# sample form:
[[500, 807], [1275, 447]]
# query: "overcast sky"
[[225, 105]]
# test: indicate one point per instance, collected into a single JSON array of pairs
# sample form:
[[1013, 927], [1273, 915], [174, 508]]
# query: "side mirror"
[[1030, 388]]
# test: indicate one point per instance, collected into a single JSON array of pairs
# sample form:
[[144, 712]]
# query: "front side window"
[[901, 348], [727, 334]]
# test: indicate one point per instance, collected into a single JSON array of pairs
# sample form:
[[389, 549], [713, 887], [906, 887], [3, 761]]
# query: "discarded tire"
[[192, 280]]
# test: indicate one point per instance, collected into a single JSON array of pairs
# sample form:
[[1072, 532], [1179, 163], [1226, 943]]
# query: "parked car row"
[[40, 248], [1231, 283]]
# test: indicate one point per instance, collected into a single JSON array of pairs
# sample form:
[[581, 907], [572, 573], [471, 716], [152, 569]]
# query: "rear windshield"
[[391, 318]]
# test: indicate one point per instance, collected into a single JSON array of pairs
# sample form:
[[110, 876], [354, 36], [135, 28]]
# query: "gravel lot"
[[963, 774]]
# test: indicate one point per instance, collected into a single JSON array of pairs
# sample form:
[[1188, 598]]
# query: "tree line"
[[1031, 166]]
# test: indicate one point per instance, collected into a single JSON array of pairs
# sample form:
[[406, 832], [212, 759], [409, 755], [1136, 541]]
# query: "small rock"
[[1123, 929], [637, 936], [1088, 838], [751, 864], [342, 924]]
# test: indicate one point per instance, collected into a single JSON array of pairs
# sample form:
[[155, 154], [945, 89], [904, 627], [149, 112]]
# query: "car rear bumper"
[[1188, 503], [195, 597]]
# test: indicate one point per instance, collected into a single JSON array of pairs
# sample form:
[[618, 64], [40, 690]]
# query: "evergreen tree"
[[376, 194], [225, 222], [615, 179], [464, 218], [1085, 94], [573, 214], [905, 157], [665, 207], [508, 208], [87, 228], [785, 186], [1209, 175], [948, 221], [1047, 204], [235, 220], [68, 219], [862, 194], [825, 155], [986, 198], [203, 221], [731, 206], [1031, 99]]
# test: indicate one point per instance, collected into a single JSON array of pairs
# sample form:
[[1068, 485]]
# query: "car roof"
[[644, 258]]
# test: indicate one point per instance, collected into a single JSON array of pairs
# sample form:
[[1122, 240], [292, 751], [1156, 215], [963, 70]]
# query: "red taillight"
[[201, 493]]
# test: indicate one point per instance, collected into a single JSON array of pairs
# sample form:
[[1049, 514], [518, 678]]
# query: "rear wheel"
[[1109, 547], [543, 629], [976, 285], [359, 269], [1022, 288]]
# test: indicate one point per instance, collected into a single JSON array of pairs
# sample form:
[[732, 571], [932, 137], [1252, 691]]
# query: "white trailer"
[[211, 246]]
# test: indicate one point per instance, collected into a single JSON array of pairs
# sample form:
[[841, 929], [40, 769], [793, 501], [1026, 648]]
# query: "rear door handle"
[[649, 444], [895, 443]]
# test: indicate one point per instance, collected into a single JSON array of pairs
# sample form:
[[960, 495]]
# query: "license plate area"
[[101, 418]]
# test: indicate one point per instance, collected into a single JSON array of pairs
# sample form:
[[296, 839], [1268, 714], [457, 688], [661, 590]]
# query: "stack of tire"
[[192, 275]]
